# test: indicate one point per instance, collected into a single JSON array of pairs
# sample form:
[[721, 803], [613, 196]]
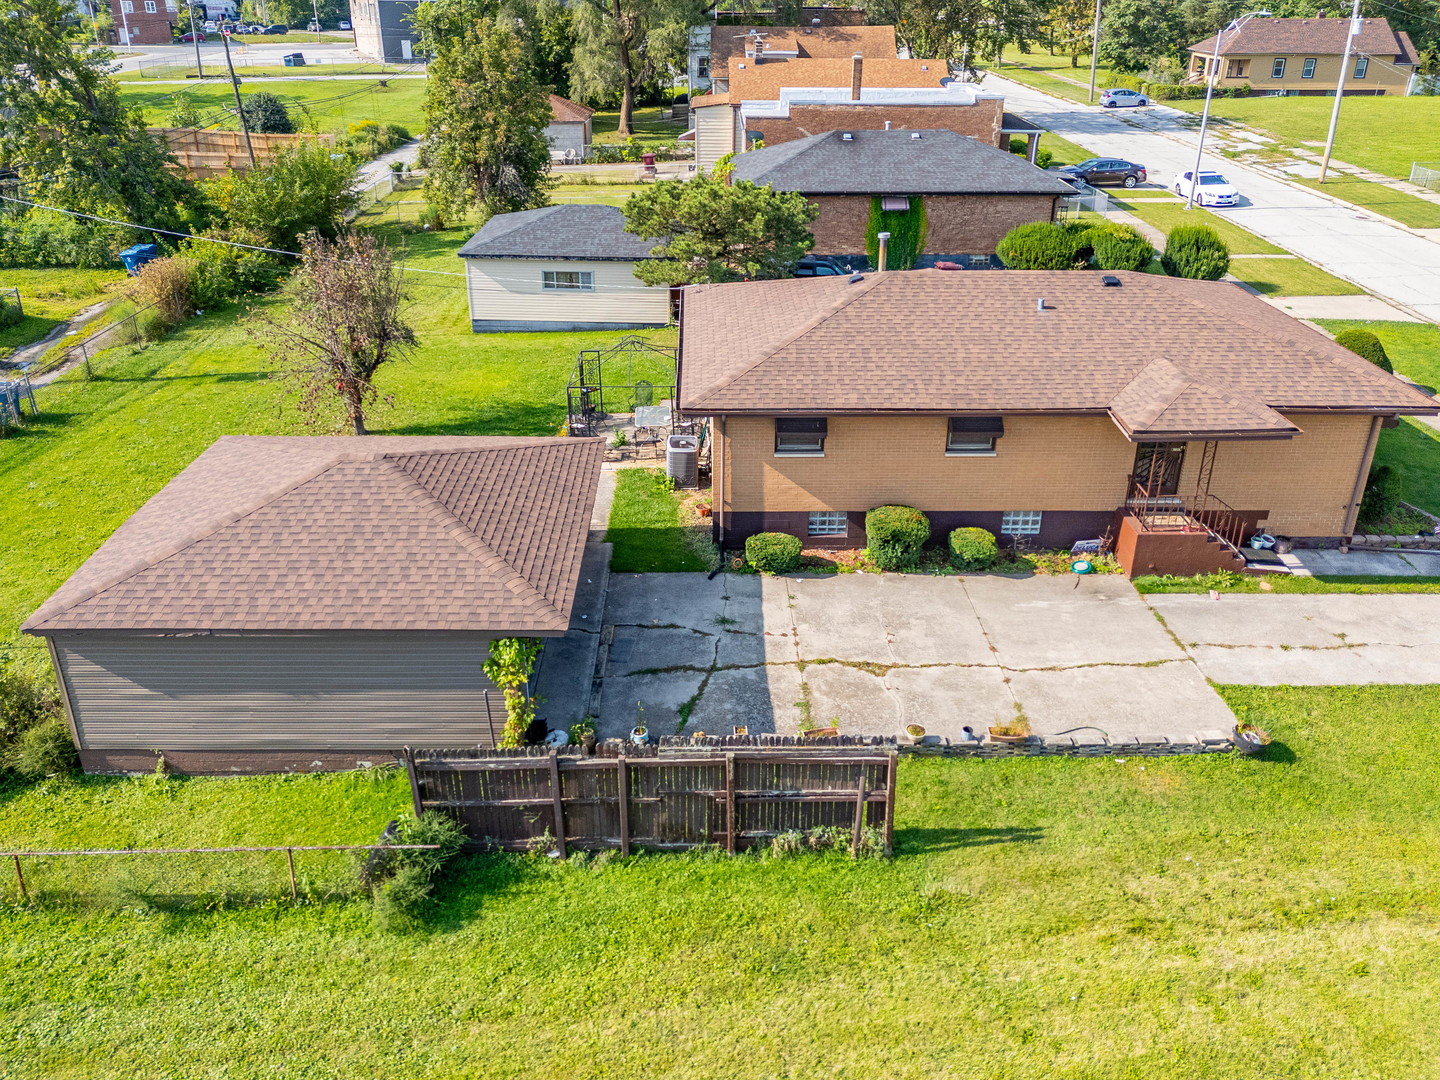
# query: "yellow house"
[[1277, 57]]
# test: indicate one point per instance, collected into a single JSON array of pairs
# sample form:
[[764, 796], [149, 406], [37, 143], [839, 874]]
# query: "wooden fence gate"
[[640, 798]]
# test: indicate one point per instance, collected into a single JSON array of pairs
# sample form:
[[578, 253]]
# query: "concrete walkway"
[[1380, 256]]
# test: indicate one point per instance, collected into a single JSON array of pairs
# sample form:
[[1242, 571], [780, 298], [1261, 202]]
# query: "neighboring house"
[[780, 101], [1302, 56], [296, 603], [383, 29], [825, 30], [569, 131], [146, 22], [1030, 403], [567, 267], [970, 193]]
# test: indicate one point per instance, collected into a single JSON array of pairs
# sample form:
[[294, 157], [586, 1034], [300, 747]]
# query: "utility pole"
[[195, 39], [240, 109], [1355, 25], [125, 23], [1211, 74], [315, 6], [1094, 51]]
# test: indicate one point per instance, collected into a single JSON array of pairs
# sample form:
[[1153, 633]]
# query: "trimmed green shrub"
[[265, 114], [1038, 246], [1364, 343], [1195, 251], [43, 750], [973, 549], [1382, 494], [1119, 247], [894, 536], [907, 230], [25, 702], [773, 552], [9, 314]]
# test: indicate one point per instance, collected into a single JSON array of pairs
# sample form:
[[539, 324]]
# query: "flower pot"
[[639, 736], [1249, 740], [916, 733], [587, 742], [1006, 739], [703, 511], [822, 733]]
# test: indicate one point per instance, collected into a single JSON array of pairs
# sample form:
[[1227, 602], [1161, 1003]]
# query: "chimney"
[[856, 62], [884, 239]]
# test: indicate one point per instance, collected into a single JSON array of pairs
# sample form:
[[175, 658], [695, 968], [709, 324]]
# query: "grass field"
[[650, 130], [1290, 277], [1402, 207], [1166, 215], [1284, 583], [1413, 348], [51, 296], [645, 526], [1385, 134], [1063, 152], [335, 105], [1055, 76], [101, 448], [1413, 451], [1074, 919]]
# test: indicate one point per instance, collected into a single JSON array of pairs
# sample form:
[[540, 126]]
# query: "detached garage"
[[309, 603]]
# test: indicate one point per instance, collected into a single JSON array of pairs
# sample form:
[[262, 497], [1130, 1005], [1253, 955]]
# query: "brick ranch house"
[[971, 193], [1177, 415]]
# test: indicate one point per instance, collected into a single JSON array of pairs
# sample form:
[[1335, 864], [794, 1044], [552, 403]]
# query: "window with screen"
[[1308, 71], [800, 436], [1020, 523], [1362, 65], [568, 279], [973, 436], [1277, 69], [827, 523], [150, 7]]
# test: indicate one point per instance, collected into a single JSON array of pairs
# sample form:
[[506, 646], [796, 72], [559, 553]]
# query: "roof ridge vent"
[[847, 136], [914, 134]]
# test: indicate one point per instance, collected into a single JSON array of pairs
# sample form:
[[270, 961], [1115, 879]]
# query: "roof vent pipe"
[[856, 63], [1040, 304], [884, 239], [887, 125]]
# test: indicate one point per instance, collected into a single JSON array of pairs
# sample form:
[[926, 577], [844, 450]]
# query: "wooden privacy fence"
[[206, 152], [637, 797]]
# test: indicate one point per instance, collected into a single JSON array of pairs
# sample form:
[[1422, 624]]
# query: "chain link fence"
[[1425, 174], [1086, 200]]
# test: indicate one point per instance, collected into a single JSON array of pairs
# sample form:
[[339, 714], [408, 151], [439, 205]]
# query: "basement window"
[[900, 203], [1020, 523], [828, 523], [973, 436], [567, 279], [800, 436]]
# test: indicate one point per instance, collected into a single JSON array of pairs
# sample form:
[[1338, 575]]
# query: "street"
[[1387, 260]]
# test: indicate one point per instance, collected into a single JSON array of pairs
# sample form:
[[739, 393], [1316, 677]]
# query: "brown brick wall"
[[981, 120], [955, 224], [1043, 463]]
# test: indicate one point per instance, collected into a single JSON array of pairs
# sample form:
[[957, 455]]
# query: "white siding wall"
[[714, 134], [567, 136], [510, 290]]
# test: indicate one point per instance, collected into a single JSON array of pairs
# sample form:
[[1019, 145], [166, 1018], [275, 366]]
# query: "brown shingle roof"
[[762, 82], [566, 111], [974, 342], [335, 533], [819, 41], [1314, 37]]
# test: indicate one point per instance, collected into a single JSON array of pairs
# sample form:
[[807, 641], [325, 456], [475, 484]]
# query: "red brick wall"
[[981, 120], [146, 28], [956, 224]]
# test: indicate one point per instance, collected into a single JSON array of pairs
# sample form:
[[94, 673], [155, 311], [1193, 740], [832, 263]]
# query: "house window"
[[828, 523], [979, 262], [800, 436], [703, 67], [1308, 71], [1277, 69], [973, 436], [149, 7], [1020, 523], [127, 6], [1237, 69], [1362, 65], [568, 279]]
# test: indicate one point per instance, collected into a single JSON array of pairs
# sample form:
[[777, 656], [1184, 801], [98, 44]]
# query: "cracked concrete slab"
[[839, 618], [856, 700], [1171, 699], [764, 699], [689, 600], [1057, 621], [1315, 620], [1361, 664], [931, 621], [640, 648], [945, 700], [658, 698]]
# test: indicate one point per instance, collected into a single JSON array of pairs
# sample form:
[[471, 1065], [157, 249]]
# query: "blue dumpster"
[[137, 256], [295, 59]]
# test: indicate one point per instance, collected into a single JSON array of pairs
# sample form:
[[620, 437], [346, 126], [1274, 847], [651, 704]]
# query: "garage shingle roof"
[[567, 231], [976, 342], [895, 163], [334, 533]]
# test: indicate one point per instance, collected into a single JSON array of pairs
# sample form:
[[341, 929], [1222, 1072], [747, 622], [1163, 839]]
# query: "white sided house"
[[568, 267]]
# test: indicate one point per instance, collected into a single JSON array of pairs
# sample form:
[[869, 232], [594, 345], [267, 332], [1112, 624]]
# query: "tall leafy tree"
[[962, 30], [712, 231], [1071, 26], [622, 44], [485, 118], [1136, 33], [303, 189], [65, 130]]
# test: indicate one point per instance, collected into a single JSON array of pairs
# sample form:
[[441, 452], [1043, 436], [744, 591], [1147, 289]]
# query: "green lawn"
[[1166, 215], [1063, 151], [645, 526], [1078, 919], [101, 448], [1407, 209], [1413, 348], [1284, 583], [650, 130], [50, 296], [1055, 75], [335, 105], [1413, 451], [1385, 134], [1290, 277]]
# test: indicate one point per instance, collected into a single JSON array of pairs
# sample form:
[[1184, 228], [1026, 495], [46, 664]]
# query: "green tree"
[[265, 114], [64, 129], [183, 111], [1136, 33], [962, 30], [303, 189], [712, 231], [622, 44], [485, 118], [1071, 25]]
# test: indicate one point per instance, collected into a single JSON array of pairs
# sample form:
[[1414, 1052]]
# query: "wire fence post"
[[89, 372], [290, 855], [20, 877]]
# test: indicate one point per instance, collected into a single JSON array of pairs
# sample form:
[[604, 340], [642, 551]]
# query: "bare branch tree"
[[345, 322]]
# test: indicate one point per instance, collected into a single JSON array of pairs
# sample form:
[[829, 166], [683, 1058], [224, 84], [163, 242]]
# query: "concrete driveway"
[[1081, 658], [1386, 259]]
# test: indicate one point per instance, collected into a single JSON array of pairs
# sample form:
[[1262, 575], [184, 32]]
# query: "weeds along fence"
[[189, 878], [1089, 200], [125, 331], [734, 793]]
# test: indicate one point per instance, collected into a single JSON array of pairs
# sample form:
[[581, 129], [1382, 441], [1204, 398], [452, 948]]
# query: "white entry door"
[[405, 51]]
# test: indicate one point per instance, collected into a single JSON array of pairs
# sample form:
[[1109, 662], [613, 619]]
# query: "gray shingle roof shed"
[[894, 163], [567, 231]]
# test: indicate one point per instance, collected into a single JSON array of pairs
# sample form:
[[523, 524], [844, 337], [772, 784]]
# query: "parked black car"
[[277, 28], [820, 266], [1098, 172]]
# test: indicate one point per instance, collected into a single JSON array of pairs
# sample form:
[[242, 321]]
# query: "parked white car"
[[1213, 189], [1122, 99], [209, 26], [344, 25]]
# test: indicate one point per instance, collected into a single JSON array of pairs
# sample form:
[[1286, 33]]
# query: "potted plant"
[[639, 735], [916, 733], [1249, 739], [583, 733], [1013, 733]]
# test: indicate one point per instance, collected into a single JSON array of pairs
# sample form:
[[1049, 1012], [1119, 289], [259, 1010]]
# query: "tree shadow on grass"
[[928, 841]]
